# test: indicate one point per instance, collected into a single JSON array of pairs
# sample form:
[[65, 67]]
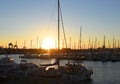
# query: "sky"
[[28, 20]]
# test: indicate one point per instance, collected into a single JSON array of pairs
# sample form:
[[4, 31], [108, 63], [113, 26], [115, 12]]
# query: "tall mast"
[[58, 25], [58, 29]]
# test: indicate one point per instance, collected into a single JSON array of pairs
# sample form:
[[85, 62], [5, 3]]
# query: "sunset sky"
[[26, 20]]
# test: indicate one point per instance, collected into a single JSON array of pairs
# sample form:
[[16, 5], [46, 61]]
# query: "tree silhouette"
[[10, 45]]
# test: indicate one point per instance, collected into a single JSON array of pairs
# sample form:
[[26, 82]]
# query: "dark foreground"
[[45, 81]]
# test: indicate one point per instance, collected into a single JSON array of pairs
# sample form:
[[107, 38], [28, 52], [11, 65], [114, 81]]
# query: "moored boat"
[[76, 71], [7, 67], [46, 71]]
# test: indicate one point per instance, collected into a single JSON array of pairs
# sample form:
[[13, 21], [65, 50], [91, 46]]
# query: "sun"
[[48, 43]]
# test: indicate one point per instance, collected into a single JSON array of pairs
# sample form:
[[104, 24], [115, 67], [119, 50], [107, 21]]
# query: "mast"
[[104, 43], [70, 43], [58, 30], [108, 44], [95, 45], [31, 44], [113, 42], [80, 36], [118, 43], [58, 26], [24, 44], [89, 43], [37, 43]]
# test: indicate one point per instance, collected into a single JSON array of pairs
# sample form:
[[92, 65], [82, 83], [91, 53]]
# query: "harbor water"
[[103, 72]]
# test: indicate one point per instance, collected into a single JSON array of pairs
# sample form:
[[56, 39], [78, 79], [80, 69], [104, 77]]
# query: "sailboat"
[[48, 70], [72, 71]]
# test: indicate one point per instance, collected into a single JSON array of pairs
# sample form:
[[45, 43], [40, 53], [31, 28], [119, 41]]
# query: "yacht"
[[76, 71], [7, 67], [46, 71]]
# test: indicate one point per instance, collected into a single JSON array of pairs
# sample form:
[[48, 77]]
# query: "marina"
[[52, 58], [29, 71], [103, 73]]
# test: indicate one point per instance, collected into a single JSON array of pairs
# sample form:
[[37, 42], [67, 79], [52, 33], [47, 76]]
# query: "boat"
[[72, 71], [76, 71], [7, 67], [47, 71], [36, 56], [25, 67], [10, 70], [50, 71], [30, 56]]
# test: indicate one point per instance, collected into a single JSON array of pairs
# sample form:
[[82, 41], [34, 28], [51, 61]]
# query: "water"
[[104, 73]]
